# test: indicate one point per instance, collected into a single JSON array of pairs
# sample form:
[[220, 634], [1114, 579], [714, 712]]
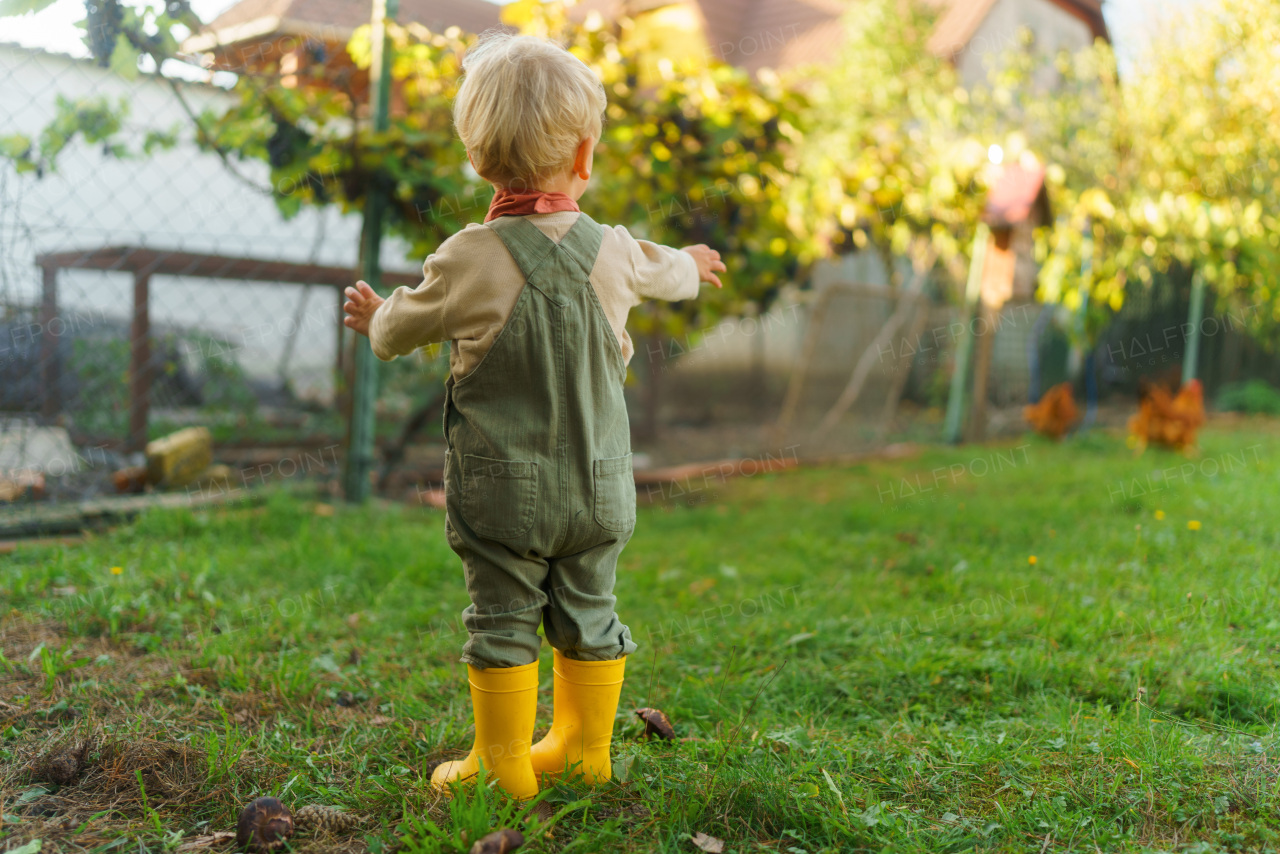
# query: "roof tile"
[[343, 16]]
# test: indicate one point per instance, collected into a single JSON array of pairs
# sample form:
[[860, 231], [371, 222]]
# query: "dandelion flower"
[[1193, 525], [1032, 560], [1159, 515], [117, 570]]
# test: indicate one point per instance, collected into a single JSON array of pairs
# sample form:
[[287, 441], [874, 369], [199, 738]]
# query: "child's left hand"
[[709, 263], [360, 306]]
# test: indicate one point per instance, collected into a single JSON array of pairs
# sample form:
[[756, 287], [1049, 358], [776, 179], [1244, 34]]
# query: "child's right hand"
[[708, 261], [360, 307]]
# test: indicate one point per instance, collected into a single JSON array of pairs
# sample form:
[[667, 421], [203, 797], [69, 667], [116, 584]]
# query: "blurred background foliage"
[[1174, 164]]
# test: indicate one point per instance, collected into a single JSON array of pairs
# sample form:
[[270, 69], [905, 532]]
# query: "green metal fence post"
[[1190, 361], [365, 391], [960, 379]]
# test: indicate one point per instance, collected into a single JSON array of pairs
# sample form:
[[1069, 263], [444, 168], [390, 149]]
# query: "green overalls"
[[540, 499]]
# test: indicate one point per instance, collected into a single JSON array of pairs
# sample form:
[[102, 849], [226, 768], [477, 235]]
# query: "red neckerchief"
[[510, 203]]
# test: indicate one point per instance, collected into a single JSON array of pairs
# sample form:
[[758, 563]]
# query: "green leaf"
[[159, 140], [30, 795], [622, 768], [289, 204], [124, 58], [15, 146]]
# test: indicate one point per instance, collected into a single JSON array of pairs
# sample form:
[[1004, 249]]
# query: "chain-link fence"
[[143, 290], [755, 382]]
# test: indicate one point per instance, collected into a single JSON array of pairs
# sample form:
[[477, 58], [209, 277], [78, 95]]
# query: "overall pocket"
[[615, 489], [499, 497]]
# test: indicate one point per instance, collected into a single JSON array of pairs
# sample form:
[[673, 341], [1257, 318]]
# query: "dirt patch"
[[87, 788], [100, 772], [64, 761], [84, 786], [47, 660], [98, 749]]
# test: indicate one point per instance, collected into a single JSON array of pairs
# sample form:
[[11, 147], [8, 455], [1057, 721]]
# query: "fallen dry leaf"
[[498, 842], [708, 843], [656, 723], [380, 720]]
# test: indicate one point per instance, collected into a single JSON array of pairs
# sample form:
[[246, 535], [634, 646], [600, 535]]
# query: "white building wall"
[[1054, 29], [179, 199]]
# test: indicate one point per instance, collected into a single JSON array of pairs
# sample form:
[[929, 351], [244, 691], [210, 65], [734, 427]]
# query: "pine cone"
[[318, 818], [264, 825], [63, 770]]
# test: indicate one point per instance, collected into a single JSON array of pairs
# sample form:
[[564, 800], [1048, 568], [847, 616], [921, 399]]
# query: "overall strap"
[[555, 269]]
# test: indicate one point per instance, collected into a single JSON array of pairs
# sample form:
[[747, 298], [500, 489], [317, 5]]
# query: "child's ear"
[[583, 157]]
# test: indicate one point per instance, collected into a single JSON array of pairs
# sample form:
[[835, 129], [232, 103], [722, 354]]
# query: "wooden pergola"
[[143, 263]]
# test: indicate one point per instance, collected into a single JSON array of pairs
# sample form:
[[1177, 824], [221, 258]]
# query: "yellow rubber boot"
[[586, 701], [505, 703]]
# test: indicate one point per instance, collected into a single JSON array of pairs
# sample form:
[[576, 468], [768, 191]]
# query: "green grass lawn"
[[1024, 647]]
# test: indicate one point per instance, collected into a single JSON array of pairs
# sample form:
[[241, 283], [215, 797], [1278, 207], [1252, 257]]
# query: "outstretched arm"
[[408, 319], [662, 272]]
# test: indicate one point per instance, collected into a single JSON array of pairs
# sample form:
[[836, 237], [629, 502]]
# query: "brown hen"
[[1167, 419], [1054, 414]]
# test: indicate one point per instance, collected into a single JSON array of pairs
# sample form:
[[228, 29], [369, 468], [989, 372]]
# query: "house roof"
[[753, 34], [334, 20], [783, 33], [957, 26], [759, 34]]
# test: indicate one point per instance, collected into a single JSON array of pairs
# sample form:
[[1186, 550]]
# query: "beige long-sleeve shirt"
[[471, 283]]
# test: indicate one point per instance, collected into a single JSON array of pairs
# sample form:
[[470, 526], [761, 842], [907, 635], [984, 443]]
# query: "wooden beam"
[[139, 363], [149, 262]]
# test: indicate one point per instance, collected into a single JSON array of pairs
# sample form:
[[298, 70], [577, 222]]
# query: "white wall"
[[1055, 29], [179, 199]]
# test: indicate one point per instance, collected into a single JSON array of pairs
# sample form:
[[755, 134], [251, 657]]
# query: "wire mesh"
[[242, 320], [253, 354]]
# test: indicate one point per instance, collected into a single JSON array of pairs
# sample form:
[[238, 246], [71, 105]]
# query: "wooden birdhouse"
[[1017, 204]]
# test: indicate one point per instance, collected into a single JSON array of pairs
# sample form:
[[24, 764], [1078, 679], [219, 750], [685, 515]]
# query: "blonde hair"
[[524, 105]]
